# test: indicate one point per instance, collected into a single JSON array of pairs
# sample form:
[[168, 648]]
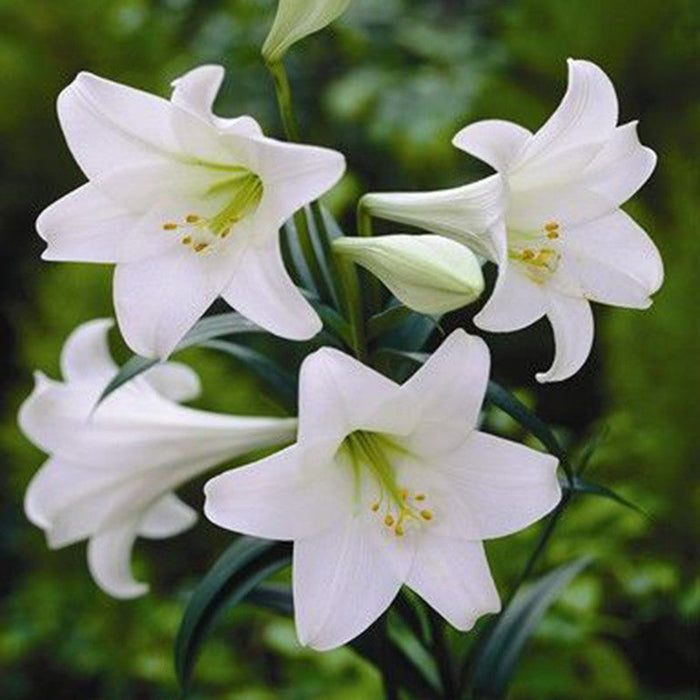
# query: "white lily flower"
[[388, 485], [111, 473], [564, 240], [296, 19], [430, 274], [186, 203]]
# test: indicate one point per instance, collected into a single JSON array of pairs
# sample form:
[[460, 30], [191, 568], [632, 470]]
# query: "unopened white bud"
[[429, 274], [296, 19]]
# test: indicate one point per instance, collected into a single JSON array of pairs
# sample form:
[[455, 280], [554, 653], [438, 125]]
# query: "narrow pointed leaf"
[[387, 320], [242, 567], [496, 663], [578, 485], [218, 326], [282, 384]]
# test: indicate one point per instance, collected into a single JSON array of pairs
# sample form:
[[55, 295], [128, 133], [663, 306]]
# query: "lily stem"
[[365, 229], [352, 296]]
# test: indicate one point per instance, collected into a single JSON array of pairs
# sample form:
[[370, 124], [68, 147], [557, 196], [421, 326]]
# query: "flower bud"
[[296, 19], [429, 274]]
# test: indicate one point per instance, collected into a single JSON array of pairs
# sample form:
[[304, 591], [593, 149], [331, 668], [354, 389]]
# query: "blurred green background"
[[388, 85]]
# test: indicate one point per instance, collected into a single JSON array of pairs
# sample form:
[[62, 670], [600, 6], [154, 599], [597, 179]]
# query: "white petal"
[[614, 261], [342, 583], [449, 389], [109, 560], [516, 302], [568, 205], [292, 174], [167, 517], [196, 92], [262, 290], [503, 487], [471, 214], [159, 299], [571, 137], [495, 141], [621, 167], [339, 395], [85, 355], [88, 226], [572, 323], [108, 125], [175, 381], [453, 577], [287, 496]]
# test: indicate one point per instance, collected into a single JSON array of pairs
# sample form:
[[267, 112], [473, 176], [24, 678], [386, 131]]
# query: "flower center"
[[397, 507], [537, 252], [241, 191]]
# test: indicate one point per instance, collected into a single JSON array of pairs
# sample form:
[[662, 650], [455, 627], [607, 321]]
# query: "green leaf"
[[373, 645], [499, 396], [282, 384], [242, 567], [496, 662], [387, 320], [578, 485], [209, 327]]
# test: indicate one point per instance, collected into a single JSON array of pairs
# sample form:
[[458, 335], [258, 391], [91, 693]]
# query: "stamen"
[[375, 506], [169, 226], [192, 218], [420, 496], [528, 254], [551, 226], [200, 247], [426, 515], [399, 531], [389, 520], [187, 240]]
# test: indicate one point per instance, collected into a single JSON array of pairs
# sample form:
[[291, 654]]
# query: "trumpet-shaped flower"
[[388, 485], [296, 19], [430, 274], [111, 474], [562, 239], [187, 204]]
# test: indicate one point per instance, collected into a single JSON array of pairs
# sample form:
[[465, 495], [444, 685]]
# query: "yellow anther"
[[375, 506], [200, 247], [169, 226], [552, 235], [398, 530], [191, 218], [420, 496], [389, 520], [551, 226], [426, 515], [225, 232], [528, 254], [187, 240]]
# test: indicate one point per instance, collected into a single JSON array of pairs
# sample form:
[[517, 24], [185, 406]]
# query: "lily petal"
[[167, 517], [516, 302], [453, 577], [287, 496], [175, 381], [292, 174], [262, 290], [109, 561], [108, 125], [615, 261], [86, 356], [572, 136], [495, 141], [159, 299], [621, 167], [504, 486], [196, 92], [449, 389], [572, 322], [471, 214], [342, 583], [338, 395]]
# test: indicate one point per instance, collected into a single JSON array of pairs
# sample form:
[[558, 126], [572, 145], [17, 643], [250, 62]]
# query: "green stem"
[[365, 229], [284, 99], [352, 296]]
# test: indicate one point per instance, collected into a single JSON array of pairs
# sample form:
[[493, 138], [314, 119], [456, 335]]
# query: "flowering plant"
[[384, 485]]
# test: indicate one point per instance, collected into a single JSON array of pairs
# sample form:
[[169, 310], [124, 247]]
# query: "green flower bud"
[[429, 274], [296, 19]]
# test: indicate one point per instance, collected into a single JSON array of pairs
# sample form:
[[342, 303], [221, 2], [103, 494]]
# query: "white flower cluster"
[[383, 484]]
